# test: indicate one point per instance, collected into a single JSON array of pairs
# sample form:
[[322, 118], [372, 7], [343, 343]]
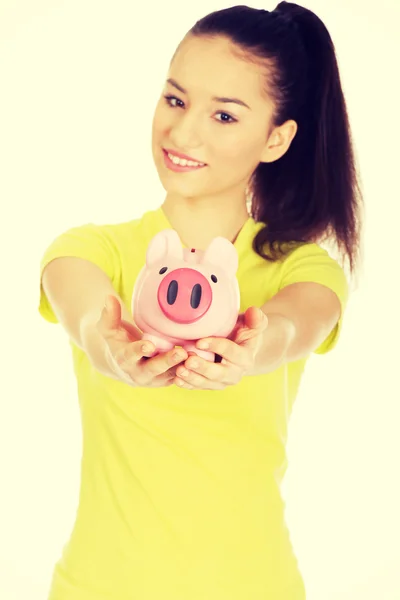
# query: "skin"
[[231, 139], [200, 205]]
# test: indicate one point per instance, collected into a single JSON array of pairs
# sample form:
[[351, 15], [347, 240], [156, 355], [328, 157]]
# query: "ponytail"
[[312, 193]]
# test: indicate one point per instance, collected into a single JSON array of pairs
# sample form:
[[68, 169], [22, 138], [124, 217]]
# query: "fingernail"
[[178, 356], [146, 348], [203, 345]]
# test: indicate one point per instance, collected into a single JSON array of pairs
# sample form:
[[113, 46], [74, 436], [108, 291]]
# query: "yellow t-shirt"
[[180, 489]]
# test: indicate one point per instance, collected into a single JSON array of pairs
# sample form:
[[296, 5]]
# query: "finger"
[[131, 330], [255, 323], [133, 352], [111, 314], [160, 363], [255, 318], [110, 317], [112, 324], [224, 373], [164, 380], [195, 381], [238, 325], [195, 370], [228, 349], [182, 383]]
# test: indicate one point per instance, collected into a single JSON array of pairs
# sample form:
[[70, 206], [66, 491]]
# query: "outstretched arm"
[[287, 328], [300, 317]]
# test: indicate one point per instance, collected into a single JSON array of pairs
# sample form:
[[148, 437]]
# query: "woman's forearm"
[[95, 347], [277, 340]]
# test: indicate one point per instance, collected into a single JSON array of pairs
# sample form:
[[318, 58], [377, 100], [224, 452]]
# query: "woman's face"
[[216, 113]]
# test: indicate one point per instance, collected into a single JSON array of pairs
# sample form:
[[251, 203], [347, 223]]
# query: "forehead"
[[214, 67]]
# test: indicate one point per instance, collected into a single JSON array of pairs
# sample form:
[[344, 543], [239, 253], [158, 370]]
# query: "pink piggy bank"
[[182, 295]]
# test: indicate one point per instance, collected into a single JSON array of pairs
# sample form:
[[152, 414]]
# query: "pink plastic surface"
[[184, 294]]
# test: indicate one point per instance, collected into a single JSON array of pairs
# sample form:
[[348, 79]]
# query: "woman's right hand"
[[128, 355]]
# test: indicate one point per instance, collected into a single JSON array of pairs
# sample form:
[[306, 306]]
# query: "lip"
[[179, 168], [180, 155]]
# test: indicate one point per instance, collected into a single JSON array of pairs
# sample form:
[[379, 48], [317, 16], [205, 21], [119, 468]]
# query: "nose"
[[184, 295], [184, 133]]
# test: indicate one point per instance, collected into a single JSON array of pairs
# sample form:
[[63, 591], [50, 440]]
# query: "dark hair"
[[312, 193]]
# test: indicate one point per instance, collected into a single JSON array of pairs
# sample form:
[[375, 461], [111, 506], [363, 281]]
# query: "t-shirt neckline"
[[238, 243]]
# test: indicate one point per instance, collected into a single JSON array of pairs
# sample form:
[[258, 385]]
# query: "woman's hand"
[[238, 354], [127, 354]]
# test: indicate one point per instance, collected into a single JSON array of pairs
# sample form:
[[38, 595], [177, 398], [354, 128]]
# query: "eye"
[[162, 271], [169, 99], [232, 120], [214, 279], [227, 118]]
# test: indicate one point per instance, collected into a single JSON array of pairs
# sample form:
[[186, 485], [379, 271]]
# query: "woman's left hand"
[[238, 354]]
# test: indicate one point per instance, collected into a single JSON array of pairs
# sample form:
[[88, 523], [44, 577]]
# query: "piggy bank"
[[184, 294]]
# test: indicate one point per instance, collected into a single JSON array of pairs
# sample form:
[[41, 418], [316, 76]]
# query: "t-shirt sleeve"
[[311, 262], [90, 242]]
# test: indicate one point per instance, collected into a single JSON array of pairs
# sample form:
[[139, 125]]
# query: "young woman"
[[183, 458]]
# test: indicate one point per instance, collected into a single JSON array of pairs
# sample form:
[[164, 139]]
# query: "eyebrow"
[[216, 98]]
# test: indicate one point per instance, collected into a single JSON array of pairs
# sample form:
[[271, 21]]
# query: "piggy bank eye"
[[161, 271], [214, 279]]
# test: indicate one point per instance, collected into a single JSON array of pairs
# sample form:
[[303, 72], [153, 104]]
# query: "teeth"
[[183, 162]]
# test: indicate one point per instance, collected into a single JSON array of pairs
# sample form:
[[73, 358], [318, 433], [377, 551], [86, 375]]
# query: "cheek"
[[159, 122], [156, 128], [236, 141], [238, 154]]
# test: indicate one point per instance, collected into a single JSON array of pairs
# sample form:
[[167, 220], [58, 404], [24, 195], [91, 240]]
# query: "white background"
[[79, 81]]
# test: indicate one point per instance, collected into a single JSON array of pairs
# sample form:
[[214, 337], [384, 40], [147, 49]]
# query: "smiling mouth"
[[175, 163]]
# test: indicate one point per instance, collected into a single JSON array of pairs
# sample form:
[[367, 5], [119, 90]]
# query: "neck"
[[197, 223]]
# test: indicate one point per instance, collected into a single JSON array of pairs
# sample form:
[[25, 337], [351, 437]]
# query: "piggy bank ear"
[[222, 252], [164, 244]]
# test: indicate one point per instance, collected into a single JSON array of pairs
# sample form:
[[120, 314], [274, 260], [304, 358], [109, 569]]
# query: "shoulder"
[[139, 230], [312, 262], [112, 235]]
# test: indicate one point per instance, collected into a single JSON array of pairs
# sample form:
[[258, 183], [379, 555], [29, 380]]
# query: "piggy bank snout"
[[184, 295]]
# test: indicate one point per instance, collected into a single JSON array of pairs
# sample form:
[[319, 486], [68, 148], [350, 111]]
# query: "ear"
[[222, 253], [279, 141], [164, 244]]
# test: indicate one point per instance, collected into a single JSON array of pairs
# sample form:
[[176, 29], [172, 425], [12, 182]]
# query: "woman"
[[180, 486]]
